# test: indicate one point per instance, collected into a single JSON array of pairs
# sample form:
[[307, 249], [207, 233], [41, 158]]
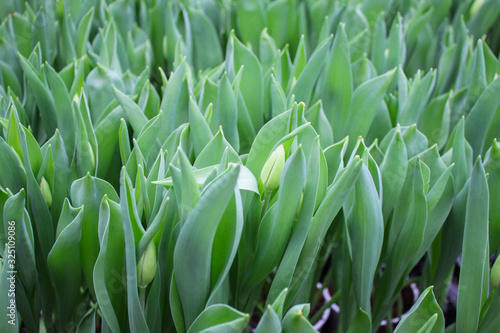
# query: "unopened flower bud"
[[46, 192], [146, 268], [271, 172], [495, 273]]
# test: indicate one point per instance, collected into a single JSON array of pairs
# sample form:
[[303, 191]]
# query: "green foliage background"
[[134, 136]]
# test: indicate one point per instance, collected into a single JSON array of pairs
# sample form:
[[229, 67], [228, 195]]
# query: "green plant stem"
[[400, 306], [325, 306], [142, 297], [265, 205], [324, 284], [260, 308], [388, 326], [410, 281]]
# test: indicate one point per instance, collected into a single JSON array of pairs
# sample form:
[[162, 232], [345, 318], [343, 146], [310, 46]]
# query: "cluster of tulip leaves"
[[218, 166]]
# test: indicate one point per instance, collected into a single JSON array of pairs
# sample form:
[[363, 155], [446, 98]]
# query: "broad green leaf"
[[99, 85], [435, 120], [265, 140], [327, 210], [88, 192], [64, 264], [12, 175], [284, 274], [88, 323], [251, 20], [492, 167], [295, 320], [194, 246], [276, 226], [65, 118], [83, 32], [252, 81], [109, 267], [219, 318], [364, 103], [269, 322], [134, 114], [200, 134], [302, 89], [418, 95], [213, 151], [16, 219], [393, 170], [366, 232], [187, 190], [491, 322], [171, 101], [425, 308], [334, 156], [361, 323], [474, 250], [480, 115], [226, 243], [135, 313], [207, 51], [226, 114]]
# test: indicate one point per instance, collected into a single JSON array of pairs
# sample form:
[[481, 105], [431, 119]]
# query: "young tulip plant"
[[249, 166]]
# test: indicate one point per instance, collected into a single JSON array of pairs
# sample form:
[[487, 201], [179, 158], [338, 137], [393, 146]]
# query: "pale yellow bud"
[[272, 170]]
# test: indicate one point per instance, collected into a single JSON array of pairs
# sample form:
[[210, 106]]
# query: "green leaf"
[[88, 192], [134, 114], [474, 252], [64, 264], [284, 274], [481, 114], [265, 141], [194, 246], [16, 218], [207, 51], [491, 321], [87, 324], [200, 131], [492, 167], [393, 170], [361, 323], [364, 104], [419, 93], [295, 320], [270, 322], [171, 99], [252, 81], [186, 187], [303, 88], [135, 313], [251, 21], [276, 226], [12, 175], [424, 314], [83, 32], [43, 97], [108, 273], [220, 318], [337, 91], [213, 151], [327, 210], [226, 114], [366, 232], [435, 120]]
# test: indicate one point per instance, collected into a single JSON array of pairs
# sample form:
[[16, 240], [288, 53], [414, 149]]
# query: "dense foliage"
[[220, 166]]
